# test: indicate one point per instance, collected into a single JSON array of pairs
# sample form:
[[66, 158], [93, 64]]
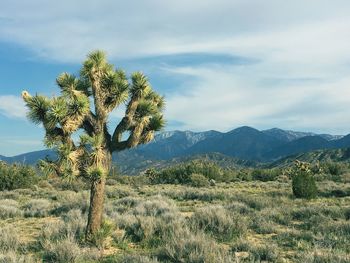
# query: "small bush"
[[334, 168], [9, 239], [191, 248], [64, 251], [239, 207], [37, 208], [60, 240], [262, 225], [330, 256], [69, 200], [268, 253], [181, 174], [218, 222], [100, 237], [15, 257], [240, 245], [151, 222], [136, 259], [265, 175], [304, 186], [154, 207], [198, 180], [303, 183], [75, 224], [16, 176], [9, 209]]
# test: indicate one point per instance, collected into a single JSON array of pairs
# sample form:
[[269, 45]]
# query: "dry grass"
[[238, 222]]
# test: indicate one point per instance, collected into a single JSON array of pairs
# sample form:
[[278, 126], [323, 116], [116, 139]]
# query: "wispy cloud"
[[66, 30], [299, 54], [226, 97], [12, 106]]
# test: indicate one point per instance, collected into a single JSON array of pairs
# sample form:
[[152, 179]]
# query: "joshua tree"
[[83, 107]]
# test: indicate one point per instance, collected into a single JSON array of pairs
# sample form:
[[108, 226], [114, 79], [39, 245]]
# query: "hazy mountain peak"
[[244, 129]]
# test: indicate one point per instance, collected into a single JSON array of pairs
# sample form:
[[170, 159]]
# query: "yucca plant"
[[84, 104]]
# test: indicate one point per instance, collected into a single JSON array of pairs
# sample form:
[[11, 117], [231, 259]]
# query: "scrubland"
[[234, 221]]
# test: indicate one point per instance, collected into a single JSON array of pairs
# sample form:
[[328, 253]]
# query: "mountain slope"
[[328, 155], [288, 135], [302, 145], [31, 157], [244, 142], [168, 145]]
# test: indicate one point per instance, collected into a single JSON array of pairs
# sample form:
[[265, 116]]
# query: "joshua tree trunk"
[[97, 195]]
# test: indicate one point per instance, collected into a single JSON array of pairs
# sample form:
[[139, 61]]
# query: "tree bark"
[[97, 196]]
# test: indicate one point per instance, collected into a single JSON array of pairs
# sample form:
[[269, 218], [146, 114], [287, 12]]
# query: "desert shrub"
[[119, 192], [181, 174], [198, 180], [266, 253], [135, 181], [306, 212], [140, 228], [191, 248], [68, 200], [330, 256], [154, 207], [150, 222], [100, 237], [15, 257], [9, 239], [218, 222], [255, 202], [303, 183], [72, 227], [335, 234], [16, 176], [238, 207], [76, 185], [136, 259], [59, 240], [151, 231], [244, 175], [265, 175], [240, 245], [196, 194], [37, 208], [11, 249], [334, 168], [262, 225], [346, 212], [74, 224], [14, 195], [66, 250], [124, 204], [332, 189], [9, 209], [280, 215], [294, 238]]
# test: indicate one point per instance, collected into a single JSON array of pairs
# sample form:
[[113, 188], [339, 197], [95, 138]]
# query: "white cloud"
[[66, 30], [226, 97], [12, 106]]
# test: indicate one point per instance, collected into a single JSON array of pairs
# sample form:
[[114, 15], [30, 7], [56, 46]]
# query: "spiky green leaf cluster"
[[84, 104]]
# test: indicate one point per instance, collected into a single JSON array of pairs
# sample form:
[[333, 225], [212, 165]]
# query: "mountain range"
[[242, 143]]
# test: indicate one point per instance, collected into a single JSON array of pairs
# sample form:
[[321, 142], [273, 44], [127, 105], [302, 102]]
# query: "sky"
[[221, 64]]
